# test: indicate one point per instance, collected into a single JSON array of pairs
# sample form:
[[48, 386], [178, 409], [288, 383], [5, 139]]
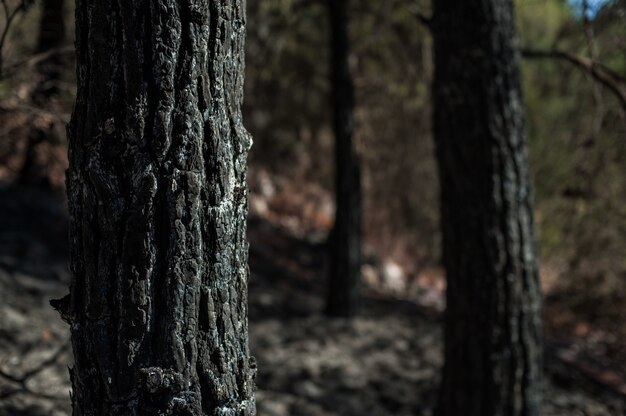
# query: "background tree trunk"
[[493, 318], [345, 238], [51, 36], [158, 204]]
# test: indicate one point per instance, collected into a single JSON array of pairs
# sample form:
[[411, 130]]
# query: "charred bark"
[[158, 204], [493, 325], [345, 238]]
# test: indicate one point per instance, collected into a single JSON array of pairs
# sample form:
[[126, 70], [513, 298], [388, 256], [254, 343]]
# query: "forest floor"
[[384, 362]]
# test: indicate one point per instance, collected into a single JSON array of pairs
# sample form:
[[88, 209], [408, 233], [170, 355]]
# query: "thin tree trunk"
[[158, 205], [493, 325], [51, 36], [345, 238]]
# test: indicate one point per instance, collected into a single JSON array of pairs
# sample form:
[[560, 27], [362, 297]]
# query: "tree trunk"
[[493, 325], [158, 204], [51, 36], [345, 238]]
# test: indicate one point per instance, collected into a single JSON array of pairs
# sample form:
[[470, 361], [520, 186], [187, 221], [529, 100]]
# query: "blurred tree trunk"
[[158, 204], [493, 327], [345, 238], [51, 36]]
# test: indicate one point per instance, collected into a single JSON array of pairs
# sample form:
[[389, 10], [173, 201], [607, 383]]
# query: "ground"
[[384, 362]]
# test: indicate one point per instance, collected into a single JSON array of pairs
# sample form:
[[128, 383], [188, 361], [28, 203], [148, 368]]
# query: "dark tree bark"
[[345, 238], [158, 205], [493, 325]]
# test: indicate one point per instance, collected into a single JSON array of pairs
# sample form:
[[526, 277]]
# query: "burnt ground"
[[385, 362]]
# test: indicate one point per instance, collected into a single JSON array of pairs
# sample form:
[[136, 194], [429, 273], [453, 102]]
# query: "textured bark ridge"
[[158, 204], [345, 239], [493, 319]]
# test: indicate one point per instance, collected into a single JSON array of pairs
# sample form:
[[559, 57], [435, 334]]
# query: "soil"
[[384, 362]]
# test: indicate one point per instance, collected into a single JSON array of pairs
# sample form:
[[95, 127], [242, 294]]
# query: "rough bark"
[[345, 238], [493, 318], [158, 205]]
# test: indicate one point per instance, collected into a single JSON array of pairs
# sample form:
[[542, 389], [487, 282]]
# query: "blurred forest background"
[[576, 129]]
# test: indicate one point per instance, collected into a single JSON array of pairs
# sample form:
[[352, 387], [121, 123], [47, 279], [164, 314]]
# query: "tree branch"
[[9, 17], [12, 68], [600, 73], [22, 380]]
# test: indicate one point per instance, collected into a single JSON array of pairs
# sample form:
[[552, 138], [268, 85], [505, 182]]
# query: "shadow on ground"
[[385, 362]]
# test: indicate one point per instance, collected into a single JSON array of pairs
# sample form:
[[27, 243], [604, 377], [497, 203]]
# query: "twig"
[[46, 363], [600, 73], [9, 17], [22, 380], [592, 376], [63, 117], [35, 59]]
